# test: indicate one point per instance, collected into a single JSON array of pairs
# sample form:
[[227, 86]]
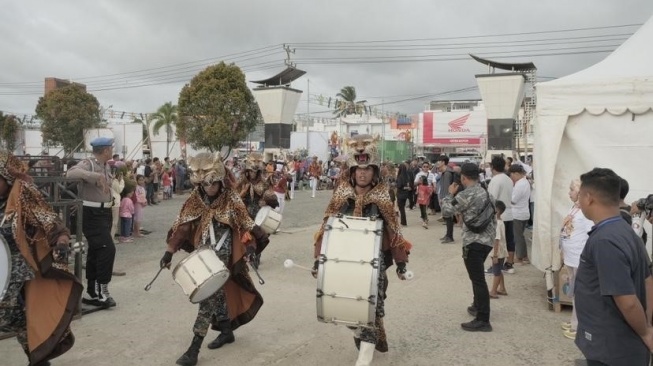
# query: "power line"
[[470, 37]]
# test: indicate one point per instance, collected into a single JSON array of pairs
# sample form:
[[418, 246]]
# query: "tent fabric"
[[618, 89]]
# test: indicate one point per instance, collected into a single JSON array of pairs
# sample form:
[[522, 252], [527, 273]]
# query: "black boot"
[[190, 357], [226, 335]]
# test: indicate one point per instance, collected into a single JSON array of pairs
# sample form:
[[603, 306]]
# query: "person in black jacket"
[[405, 189]]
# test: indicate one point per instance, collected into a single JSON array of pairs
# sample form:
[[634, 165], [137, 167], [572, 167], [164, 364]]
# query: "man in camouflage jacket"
[[476, 246]]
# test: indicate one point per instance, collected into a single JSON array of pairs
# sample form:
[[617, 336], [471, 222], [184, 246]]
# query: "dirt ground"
[[423, 316]]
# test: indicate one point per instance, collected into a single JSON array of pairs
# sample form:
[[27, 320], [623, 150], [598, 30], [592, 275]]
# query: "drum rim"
[[188, 257], [192, 294], [3, 290]]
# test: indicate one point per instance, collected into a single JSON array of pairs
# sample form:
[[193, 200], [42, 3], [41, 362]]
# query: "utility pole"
[[308, 112], [382, 132]]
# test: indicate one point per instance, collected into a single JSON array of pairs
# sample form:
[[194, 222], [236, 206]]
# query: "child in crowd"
[[499, 254], [424, 192], [167, 184], [140, 201], [126, 215]]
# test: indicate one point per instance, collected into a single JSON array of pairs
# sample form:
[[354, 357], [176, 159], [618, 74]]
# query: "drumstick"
[[409, 275], [149, 285], [288, 263]]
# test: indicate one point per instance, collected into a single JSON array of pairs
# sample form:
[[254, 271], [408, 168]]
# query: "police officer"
[[96, 221]]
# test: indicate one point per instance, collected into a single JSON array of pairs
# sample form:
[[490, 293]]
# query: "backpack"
[[480, 222]]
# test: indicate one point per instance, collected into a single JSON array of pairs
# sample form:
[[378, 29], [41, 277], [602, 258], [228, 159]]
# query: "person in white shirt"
[[573, 235], [500, 188], [425, 172], [521, 193]]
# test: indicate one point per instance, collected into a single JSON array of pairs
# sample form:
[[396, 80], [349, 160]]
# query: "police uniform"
[[96, 225]]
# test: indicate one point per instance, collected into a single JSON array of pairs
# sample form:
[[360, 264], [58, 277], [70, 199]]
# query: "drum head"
[[210, 286], [262, 215], [5, 266]]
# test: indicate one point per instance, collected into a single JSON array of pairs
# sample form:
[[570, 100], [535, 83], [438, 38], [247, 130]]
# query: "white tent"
[[599, 117]]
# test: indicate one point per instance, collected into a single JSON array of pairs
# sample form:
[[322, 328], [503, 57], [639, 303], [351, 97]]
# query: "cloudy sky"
[[136, 55]]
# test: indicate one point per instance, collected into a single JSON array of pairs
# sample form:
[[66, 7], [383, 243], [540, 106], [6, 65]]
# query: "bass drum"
[[5, 267], [348, 271]]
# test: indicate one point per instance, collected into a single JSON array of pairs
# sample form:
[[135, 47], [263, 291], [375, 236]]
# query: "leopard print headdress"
[[362, 151], [11, 167], [206, 168]]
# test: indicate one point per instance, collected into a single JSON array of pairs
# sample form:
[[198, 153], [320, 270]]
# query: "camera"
[[645, 204]]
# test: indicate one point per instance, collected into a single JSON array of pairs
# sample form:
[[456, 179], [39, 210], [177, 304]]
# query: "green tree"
[[346, 103], [10, 127], [217, 109], [66, 113], [166, 116]]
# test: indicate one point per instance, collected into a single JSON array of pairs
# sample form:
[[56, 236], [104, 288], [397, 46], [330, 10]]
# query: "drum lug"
[[378, 232], [320, 293], [375, 263], [327, 227], [372, 299], [322, 259]]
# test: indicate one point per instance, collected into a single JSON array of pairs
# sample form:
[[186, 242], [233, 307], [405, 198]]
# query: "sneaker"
[[476, 326], [570, 334], [565, 325], [471, 310], [91, 299], [425, 225], [104, 297], [489, 271], [447, 241], [508, 268], [442, 238]]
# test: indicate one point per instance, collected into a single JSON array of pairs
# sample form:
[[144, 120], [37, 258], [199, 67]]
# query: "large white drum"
[[5, 267], [268, 219], [201, 274], [348, 271]]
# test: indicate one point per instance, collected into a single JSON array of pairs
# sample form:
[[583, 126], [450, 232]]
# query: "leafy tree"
[[166, 116], [217, 109], [66, 113], [346, 103], [10, 127]]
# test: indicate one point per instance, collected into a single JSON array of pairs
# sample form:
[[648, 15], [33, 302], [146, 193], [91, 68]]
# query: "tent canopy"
[[572, 123]]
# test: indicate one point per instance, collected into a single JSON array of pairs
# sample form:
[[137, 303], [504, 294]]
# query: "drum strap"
[[222, 239]]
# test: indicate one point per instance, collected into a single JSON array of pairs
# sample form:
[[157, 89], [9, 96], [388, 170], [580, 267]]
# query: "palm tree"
[[166, 116], [346, 102]]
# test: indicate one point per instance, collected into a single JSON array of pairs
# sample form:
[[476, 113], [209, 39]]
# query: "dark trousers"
[[422, 211], [125, 227], [596, 363], [149, 192], [401, 202], [449, 222], [96, 225], [412, 198], [474, 256], [510, 236]]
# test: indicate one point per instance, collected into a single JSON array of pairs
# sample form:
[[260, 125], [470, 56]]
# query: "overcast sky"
[[103, 42]]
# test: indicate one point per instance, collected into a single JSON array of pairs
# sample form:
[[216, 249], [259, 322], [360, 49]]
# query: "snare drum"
[[268, 219], [5, 267], [201, 274], [348, 272]]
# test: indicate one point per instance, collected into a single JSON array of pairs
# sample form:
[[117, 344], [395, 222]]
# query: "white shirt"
[[521, 194], [430, 177], [500, 188], [573, 236], [501, 237]]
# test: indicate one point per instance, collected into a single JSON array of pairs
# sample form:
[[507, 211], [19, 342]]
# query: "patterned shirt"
[[470, 203]]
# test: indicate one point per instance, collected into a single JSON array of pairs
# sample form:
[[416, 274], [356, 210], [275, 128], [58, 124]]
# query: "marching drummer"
[[365, 195], [255, 190], [215, 216], [40, 295]]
